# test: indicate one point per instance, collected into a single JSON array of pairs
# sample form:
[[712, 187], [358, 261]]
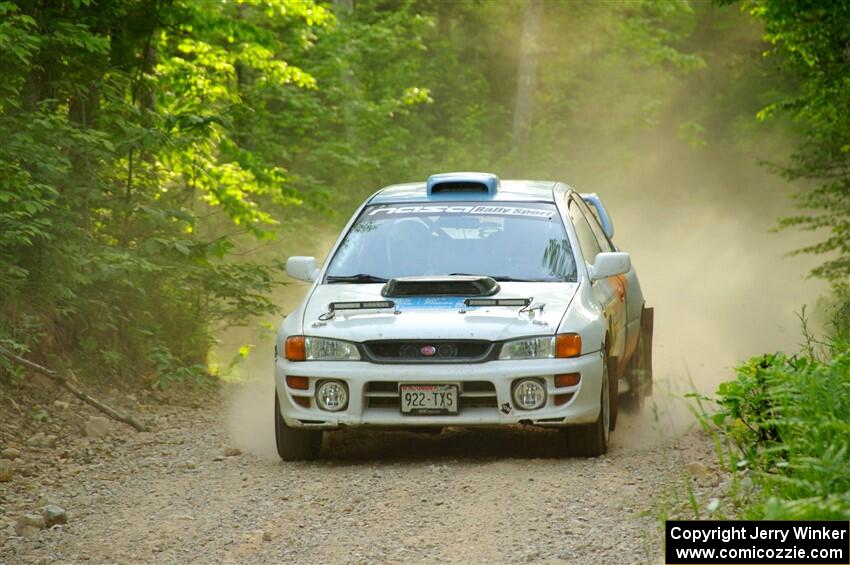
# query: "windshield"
[[522, 241]]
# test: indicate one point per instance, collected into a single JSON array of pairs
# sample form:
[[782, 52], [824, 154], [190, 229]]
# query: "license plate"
[[428, 399]]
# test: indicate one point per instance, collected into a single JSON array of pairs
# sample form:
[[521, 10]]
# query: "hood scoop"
[[457, 285]]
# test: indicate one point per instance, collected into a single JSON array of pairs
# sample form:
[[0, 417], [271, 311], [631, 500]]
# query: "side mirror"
[[302, 268], [610, 264]]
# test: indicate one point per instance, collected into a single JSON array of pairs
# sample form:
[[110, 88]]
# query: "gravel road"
[[489, 496]]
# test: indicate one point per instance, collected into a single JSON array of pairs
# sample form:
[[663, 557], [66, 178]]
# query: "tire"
[[591, 440], [294, 444]]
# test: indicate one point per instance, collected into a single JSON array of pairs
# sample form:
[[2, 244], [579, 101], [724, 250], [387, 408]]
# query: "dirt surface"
[[487, 496]]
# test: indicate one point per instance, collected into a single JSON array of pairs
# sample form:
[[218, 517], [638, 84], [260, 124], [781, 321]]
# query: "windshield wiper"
[[360, 278], [506, 278], [502, 278]]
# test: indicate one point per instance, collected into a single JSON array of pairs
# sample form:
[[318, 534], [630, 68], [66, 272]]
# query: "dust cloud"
[[698, 227], [721, 284], [250, 399], [697, 223]]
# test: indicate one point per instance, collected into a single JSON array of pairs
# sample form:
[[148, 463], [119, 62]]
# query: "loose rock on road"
[[185, 493]]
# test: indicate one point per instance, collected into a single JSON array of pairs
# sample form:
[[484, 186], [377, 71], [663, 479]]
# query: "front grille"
[[473, 394], [383, 386], [428, 351], [479, 386], [380, 402]]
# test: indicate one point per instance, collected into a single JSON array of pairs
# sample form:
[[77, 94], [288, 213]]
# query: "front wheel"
[[294, 444], [591, 440]]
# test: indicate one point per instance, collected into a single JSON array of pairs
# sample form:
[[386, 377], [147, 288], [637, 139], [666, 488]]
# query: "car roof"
[[509, 190]]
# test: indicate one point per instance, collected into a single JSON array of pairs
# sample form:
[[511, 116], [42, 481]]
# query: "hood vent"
[[441, 286], [463, 183]]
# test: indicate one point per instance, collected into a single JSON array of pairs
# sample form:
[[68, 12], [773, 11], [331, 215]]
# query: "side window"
[[586, 240], [596, 226]]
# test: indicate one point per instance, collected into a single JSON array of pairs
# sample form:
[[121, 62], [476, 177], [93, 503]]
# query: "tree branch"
[[56, 377]]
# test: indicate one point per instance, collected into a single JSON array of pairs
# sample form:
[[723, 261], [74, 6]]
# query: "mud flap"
[[614, 372], [638, 375], [647, 323]]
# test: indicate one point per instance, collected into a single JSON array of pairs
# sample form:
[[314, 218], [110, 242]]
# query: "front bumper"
[[481, 408]]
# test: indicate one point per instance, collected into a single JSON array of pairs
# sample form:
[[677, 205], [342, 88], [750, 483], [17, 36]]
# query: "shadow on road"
[[451, 444]]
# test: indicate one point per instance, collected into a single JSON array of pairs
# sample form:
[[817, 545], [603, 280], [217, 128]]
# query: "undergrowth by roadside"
[[782, 429]]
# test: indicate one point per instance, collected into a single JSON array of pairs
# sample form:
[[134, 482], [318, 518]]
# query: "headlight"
[[301, 348], [529, 394], [531, 348], [332, 396], [561, 346], [324, 349]]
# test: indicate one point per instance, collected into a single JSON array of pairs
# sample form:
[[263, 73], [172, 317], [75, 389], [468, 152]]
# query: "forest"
[[144, 142], [157, 156]]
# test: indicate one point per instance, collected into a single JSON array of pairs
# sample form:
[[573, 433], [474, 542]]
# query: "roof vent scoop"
[[465, 183]]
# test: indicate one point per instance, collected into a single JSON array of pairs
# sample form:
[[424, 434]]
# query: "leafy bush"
[[169, 370], [789, 420], [124, 170]]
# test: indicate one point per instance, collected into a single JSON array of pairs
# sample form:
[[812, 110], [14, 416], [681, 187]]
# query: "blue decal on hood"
[[431, 302]]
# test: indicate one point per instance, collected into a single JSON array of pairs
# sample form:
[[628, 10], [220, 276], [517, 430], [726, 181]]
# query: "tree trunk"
[[527, 75], [344, 10], [444, 19], [83, 107]]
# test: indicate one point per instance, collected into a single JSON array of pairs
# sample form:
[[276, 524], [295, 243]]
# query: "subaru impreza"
[[465, 300]]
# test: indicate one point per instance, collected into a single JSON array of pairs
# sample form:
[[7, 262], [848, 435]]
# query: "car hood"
[[439, 317]]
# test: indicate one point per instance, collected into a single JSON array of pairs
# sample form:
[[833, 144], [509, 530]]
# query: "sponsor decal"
[[472, 209], [430, 303]]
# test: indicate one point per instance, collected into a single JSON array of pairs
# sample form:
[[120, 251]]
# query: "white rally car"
[[465, 300]]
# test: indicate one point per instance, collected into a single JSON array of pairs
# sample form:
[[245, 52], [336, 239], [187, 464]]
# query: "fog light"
[[332, 396], [529, 394]]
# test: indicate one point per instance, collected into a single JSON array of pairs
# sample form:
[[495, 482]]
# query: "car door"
[[609, 292], [630, 284]]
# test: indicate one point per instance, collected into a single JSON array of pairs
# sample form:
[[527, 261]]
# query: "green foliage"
[[811, 39], [124, 161], [147, 144], [170, 370], [789, 418], [144, 140], [18, 44]]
